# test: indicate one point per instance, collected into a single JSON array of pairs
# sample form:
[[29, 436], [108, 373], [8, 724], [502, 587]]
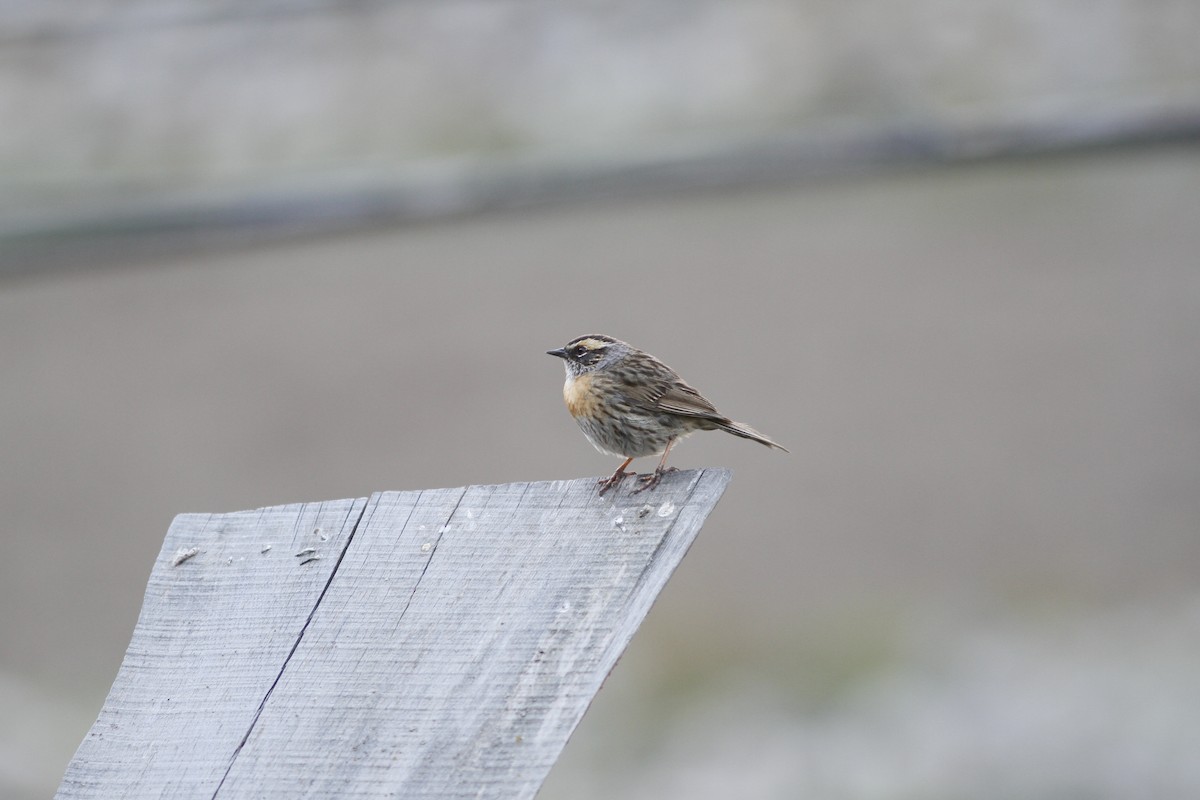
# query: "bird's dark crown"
[[593, 341], [585, 352]]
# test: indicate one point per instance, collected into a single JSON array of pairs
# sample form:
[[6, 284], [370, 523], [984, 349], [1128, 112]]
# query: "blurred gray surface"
[[987, 377], [115, 108]]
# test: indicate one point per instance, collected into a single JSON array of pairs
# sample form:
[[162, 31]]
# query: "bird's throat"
[[578, 394]]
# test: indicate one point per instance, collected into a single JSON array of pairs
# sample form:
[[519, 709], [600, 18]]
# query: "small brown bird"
[[630, 404]]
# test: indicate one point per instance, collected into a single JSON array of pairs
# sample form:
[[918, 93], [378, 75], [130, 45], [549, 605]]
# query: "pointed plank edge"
[[444, 643]]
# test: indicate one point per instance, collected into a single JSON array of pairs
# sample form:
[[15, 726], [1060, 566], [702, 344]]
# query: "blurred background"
[[265, 252]]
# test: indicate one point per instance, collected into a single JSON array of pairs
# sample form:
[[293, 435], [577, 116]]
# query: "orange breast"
[[581, 400]]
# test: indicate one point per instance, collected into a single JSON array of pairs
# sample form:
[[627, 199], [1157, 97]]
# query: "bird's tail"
[[746, 432]]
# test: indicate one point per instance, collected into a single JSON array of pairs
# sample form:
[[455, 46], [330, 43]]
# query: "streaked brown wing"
[[679, 398]]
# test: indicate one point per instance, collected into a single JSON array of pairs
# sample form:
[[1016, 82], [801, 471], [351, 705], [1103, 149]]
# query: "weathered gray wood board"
[[442, 643]]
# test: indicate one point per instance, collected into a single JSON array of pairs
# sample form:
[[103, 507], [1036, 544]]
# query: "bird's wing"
[[683, 399], [677, 397]]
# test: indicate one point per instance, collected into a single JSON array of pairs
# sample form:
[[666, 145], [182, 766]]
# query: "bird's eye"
[[581, 351]]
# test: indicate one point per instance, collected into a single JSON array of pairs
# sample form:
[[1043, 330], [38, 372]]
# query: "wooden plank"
[[458, 643], [215, 628]]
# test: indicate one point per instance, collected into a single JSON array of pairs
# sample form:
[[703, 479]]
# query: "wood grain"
[[443, 643]]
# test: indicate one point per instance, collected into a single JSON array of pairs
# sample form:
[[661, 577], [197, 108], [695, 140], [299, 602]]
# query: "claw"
[[612, 481], [653, 479], [615, 479]]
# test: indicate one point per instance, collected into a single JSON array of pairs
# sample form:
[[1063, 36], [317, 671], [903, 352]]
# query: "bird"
[[629, 404]]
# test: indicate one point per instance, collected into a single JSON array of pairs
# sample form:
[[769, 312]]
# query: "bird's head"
[[589, 353]]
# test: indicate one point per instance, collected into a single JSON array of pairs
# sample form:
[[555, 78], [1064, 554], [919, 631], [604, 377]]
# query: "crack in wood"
[[295, 645], [432, 550]]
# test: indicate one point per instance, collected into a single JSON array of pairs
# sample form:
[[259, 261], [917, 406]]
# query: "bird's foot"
[[652, 480], [613, 481]]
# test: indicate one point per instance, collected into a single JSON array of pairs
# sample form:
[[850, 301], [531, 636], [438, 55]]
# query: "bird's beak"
[[559, 352]]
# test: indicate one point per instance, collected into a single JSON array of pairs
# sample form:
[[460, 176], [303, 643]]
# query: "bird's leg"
[[615, 479], [653, 479]]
